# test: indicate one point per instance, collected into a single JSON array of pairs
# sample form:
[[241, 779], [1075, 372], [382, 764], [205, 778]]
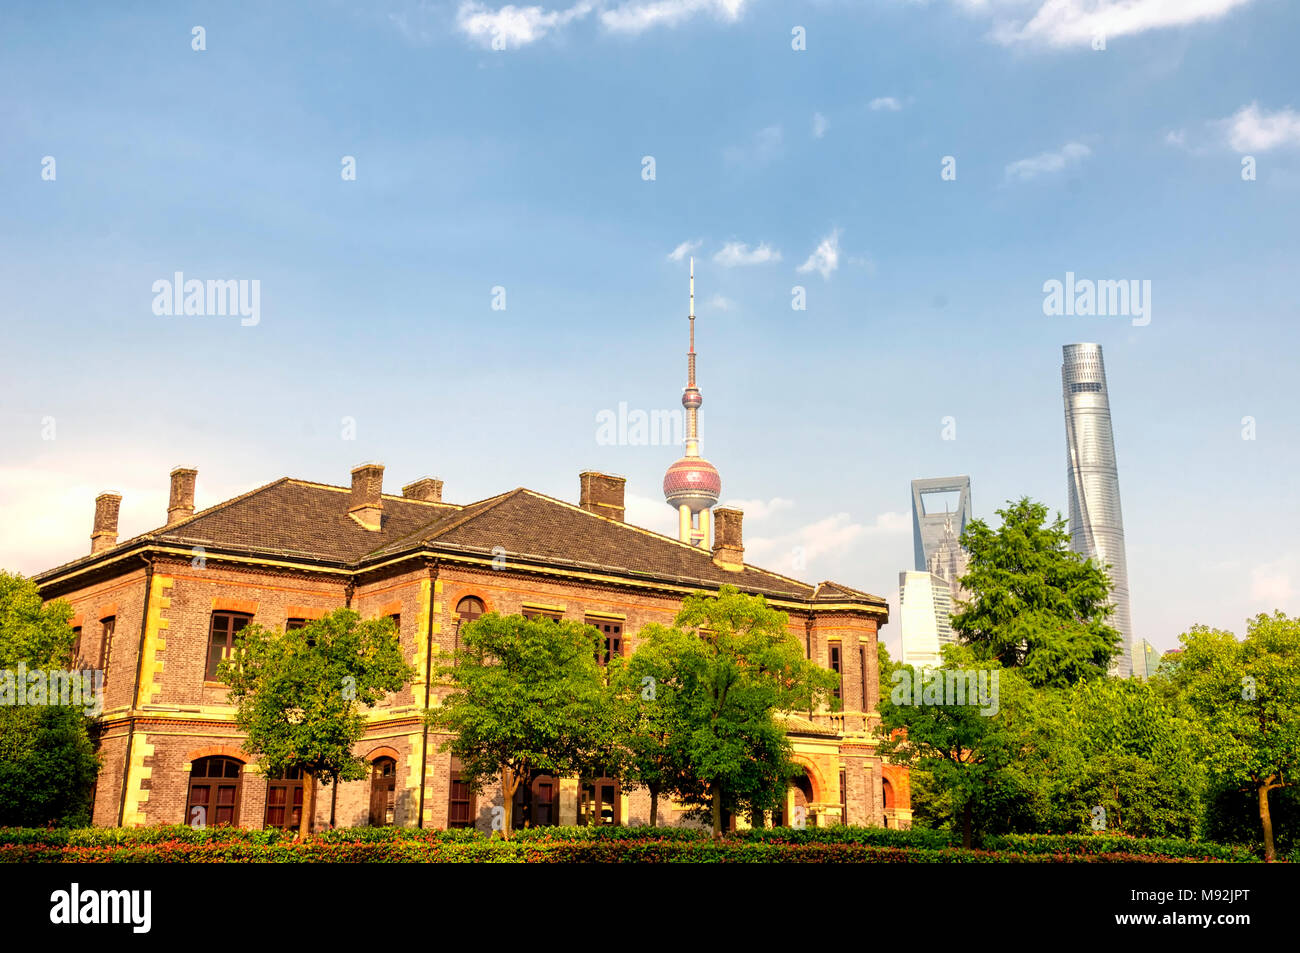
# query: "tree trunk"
[[717, 810], [509, 784], [308, 802], [654, 805], [1267, 820], [966, 827]]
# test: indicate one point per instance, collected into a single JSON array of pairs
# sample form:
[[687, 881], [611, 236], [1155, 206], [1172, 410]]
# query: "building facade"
[[158, 612], [1092, 475]]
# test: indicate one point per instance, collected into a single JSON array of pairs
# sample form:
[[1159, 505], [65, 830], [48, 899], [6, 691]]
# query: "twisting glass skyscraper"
[[1096, 524]]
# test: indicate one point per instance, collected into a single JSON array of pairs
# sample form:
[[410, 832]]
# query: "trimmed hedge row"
[[535, 851], [601, 844]]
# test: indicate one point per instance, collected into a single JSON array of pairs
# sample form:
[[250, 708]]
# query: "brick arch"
[[228, 751], [814, 774], [466, 594], [384, 751]]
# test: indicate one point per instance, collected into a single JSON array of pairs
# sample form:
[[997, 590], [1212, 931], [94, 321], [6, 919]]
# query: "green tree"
[[526, 696], [1247, 697], [1035, 605], [299, 694], [650, 687], [47, 752], [980, 759], [732, 665], [1137, 760]]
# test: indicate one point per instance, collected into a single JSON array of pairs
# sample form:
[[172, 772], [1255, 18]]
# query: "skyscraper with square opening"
[[1096, 523]]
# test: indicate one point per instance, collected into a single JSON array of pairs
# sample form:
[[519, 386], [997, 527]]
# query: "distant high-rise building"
[[929, 595], [1150, 659], [928, 524], [1096, 523], [925, 605]]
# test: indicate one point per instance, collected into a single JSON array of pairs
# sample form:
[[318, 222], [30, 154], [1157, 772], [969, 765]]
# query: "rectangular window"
[[460, 800], [76, 646], [837, 668], [611, 639], [107, 627], [844, 799], [284, 800], [397, 621], [221, 639], [291, 624], [553, 614], [862, 658]]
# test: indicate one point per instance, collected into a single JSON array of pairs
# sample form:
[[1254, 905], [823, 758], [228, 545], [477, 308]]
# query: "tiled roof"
[[295, 518]]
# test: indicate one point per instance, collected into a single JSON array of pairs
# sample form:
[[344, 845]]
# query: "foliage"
[[299, 692], [526, 696], [47, 752], [1247, 698], [1034, 604], [731, 665]]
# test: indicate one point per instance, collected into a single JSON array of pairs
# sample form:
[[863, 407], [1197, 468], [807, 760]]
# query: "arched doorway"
[[383, 792]]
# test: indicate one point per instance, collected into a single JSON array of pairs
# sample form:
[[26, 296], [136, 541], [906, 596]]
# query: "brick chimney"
[[103, 534], [427, 489], [728, 544], [602, 494], [367, 503], [181, 503]]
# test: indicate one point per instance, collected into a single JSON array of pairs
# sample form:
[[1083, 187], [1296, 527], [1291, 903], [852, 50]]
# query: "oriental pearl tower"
[[692, 484]]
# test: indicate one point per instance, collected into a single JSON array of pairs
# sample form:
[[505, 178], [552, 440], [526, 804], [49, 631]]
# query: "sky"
[[469, 226]]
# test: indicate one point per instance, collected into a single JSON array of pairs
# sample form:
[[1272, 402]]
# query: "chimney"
[[427, 489], [104, 533], [181, 504], [602, 494], [367, 504], [728, 545]]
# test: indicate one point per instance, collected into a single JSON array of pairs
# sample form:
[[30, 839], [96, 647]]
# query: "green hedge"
[[596, 850], [601, 844]]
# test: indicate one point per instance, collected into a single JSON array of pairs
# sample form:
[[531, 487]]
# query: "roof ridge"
[[464, 512], [387, 496]]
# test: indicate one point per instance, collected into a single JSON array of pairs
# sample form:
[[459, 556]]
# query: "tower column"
[[684, 523], [706, 519]]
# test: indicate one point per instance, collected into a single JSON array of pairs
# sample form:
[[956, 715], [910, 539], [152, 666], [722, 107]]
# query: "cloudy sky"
[[508, 262]]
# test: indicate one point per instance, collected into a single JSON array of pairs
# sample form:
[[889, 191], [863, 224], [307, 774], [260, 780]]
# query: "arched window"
[[284, 800], [383, 792], [214, 792], [469, 608], [537, 802], [888, 793]]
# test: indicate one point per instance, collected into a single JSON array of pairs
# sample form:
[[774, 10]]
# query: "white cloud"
[[796, 552], [650, 513], [765, 147], [819, 125], [1044, 163], [719, 303], [1176, 137], [1250, 129], [825, 257], [886, 103], [760, 509], [684, 249], [734, 254], [515, 26], [637, 16], [1065, 23]]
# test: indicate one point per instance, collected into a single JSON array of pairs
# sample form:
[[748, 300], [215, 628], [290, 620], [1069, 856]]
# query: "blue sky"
[[522, 168]]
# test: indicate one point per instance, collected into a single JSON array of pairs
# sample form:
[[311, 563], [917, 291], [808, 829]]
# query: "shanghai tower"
[[1096, 524]]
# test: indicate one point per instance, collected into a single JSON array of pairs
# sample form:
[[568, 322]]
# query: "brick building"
[[158, 612]]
